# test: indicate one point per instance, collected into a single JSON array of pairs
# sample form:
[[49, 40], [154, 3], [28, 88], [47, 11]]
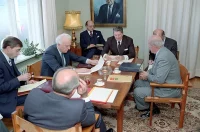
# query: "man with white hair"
[[58, 55], [165, 70]]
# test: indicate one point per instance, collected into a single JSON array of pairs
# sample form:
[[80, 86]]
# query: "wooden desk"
[[123, 89]]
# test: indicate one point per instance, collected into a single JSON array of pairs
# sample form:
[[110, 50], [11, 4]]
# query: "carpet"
[[166, 121]]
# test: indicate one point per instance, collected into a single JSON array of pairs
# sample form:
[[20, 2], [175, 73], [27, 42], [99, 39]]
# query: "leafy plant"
[[31, 49]]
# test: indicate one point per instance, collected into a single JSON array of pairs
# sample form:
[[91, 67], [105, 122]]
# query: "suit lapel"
[[95, 36], [87, 36], [58, 55], [14, 67]]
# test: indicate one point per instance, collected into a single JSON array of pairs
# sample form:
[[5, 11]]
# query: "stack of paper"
[[29, 87], [119, 78], [120, 62]]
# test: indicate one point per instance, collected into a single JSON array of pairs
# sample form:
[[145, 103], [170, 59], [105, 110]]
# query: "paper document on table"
[[100, 94], [130, 60], [29, 87], [97, 67]]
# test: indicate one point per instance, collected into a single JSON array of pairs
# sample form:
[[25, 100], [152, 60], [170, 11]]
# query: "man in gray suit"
[[56, 110], [165, 70]]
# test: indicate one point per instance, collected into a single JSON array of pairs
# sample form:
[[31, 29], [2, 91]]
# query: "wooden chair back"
[[182, 100], [35, 68], [20, 125], [136, 51]]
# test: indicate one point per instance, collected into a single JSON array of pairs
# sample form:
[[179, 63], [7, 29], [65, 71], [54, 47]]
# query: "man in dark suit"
[[120, 46], [58, 55], [56, 110], [168, 43], [10, 78], [89, 39], [111, 12]]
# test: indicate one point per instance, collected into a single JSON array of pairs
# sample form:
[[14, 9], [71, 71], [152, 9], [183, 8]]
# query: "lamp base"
[[73, 38]]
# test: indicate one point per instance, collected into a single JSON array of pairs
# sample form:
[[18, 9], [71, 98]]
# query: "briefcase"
[[130, 67]]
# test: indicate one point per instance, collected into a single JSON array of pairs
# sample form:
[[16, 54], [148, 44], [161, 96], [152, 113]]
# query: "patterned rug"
[[166, 121]]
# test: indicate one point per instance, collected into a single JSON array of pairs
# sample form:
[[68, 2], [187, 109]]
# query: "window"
[[22, 19]]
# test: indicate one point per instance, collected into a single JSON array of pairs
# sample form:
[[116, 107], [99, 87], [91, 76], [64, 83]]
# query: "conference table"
[[123, 89]]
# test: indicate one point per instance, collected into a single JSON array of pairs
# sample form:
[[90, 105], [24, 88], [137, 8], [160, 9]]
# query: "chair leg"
[[181, 119], [151, 114]]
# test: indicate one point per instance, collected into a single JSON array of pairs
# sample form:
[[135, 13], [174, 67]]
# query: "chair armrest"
[[167, 85], [41, 77]]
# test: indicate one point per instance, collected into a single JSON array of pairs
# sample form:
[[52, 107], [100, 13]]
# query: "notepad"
[[119, 78], [102, 95], [29, 87]]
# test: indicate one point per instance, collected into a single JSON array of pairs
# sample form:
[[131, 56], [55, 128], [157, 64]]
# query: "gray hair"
[[157, 43], [67, 87], [59, 37], [116, 29]]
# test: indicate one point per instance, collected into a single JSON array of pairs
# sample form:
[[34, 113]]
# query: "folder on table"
[[129, 67], [29, 87], [102, 95]]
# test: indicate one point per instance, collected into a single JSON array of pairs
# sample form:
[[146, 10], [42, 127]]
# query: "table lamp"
[[72, 22]]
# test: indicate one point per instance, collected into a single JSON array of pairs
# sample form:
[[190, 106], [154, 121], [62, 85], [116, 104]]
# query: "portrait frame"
[[101, 19]]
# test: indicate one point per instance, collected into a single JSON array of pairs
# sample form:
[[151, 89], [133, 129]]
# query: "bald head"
[[89, 25], [159, 32], [65, 80]]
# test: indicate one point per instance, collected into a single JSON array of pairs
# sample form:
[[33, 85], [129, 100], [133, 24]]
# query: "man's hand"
[[82, 70], [31, 82], [151, 62], [143, 75], [92, 62], [119, 58], [24, 77], [82, 89]]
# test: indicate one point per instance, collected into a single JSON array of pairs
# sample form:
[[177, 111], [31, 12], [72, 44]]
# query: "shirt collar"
[[59, 51], [6, 56]]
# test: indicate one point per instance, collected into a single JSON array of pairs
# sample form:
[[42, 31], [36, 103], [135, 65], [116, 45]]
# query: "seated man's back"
[[51, 111]]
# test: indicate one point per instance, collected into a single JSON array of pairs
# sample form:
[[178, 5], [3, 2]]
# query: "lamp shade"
[[72, 20]]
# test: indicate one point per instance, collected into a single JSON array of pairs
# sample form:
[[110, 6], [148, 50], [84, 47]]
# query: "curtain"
[[49, 22], [180, 20]]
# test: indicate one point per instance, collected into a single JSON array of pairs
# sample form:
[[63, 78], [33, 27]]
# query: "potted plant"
[[31, 49]]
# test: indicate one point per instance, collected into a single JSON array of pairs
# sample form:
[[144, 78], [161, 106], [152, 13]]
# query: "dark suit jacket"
[[85, 40], [170, 44], [51, 60], [52, 111], [127, 47], [103, 12], [8, 86]]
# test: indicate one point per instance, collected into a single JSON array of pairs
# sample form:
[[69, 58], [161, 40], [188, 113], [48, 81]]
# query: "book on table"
[[120, 78], [97, 45]]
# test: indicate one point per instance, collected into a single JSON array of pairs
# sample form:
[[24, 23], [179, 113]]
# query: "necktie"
[[109, 13], [91, 33], [10, 63], [63, 59], [118, 46]]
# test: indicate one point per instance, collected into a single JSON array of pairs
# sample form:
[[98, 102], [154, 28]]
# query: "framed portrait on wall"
[[108, 13]]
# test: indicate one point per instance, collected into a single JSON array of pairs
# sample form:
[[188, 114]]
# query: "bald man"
[[88, 40], [165, 70], [168, 43], [56, 110]]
